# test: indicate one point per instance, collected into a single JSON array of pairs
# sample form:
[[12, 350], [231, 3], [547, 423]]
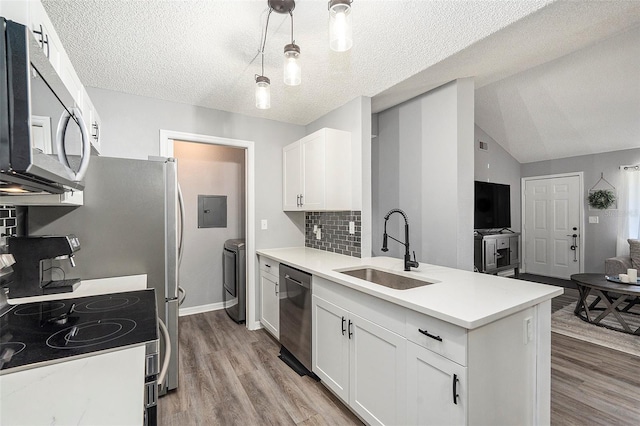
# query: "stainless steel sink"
[[387, 279]]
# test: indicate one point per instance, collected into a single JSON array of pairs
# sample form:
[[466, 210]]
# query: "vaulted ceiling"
[[206, 53]]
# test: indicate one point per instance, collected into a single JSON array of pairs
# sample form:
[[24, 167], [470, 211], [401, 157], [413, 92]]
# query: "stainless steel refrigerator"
[[129, 224]]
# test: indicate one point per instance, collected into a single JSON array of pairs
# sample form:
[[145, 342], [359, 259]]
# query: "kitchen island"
[[80, 358], [466, 348]]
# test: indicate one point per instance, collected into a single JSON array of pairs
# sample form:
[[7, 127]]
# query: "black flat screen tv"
[[492, 205]]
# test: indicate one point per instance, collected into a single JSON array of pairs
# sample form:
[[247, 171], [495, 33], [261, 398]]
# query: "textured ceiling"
[[204, 52], [582, 103]]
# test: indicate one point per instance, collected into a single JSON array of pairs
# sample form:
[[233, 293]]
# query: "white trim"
[[183, 312], [583, 228], [166, 149]]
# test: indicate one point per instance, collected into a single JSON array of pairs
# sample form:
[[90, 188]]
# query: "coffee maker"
[[34, 258]]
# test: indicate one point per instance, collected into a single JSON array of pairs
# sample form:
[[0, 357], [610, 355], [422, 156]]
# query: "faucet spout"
[[408, 263]]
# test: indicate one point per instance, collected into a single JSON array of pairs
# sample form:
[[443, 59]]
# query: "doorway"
[[168, 141], [552, 218]]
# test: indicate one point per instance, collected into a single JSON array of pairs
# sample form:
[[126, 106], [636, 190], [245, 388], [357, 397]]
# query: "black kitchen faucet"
[[408, 263]]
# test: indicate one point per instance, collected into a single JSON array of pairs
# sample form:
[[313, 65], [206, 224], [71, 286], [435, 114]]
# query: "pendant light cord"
[[264, 41], [291, 14]]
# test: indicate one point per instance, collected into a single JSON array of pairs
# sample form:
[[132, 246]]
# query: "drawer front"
[[438, 336], [269, 265], [502, 243]]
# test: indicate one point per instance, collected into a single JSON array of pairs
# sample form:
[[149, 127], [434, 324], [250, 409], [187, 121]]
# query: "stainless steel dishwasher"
[[295, 318]]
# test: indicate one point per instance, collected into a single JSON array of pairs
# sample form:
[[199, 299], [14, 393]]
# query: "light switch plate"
[[594, 219], [263, 224]]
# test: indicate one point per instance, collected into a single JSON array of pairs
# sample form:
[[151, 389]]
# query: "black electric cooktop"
[[47, 332]]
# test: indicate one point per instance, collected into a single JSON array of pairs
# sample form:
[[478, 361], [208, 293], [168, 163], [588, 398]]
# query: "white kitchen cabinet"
[[291, 177], [93, 122], [331, 346], [436, 387], [270, 296], [362, 362], [377, 394], [317, 172], [269, 303], [404, 366]]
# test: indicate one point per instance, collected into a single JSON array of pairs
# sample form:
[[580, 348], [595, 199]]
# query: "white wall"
[[498, 166], [208, 170], [355, 117], [423, 158]]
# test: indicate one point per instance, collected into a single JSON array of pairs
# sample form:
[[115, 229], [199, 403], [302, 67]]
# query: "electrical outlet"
[[352, 228], [263, 224], [594, 219], [319, 234]]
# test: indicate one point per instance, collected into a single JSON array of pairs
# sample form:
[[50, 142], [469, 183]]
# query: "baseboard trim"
[[183, 312]]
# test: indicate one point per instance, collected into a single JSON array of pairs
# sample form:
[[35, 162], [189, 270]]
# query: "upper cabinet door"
[[313, 177], [291, 177], [317, 171]]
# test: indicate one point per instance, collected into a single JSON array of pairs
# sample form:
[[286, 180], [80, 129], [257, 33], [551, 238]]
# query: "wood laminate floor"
[[232, 376]]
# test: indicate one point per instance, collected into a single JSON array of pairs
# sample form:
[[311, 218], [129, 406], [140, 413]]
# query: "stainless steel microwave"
[[44, 145]]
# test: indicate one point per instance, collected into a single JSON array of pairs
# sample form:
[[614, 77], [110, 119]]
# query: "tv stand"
[[495, 252]]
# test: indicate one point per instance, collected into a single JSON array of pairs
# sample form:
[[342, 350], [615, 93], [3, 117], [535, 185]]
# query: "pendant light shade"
[[263, 93], [292, 71], [340, 31]]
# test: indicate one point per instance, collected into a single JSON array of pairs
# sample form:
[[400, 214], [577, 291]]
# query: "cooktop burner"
[[107, 303], [91, 333], [39, 309], [48, 331]]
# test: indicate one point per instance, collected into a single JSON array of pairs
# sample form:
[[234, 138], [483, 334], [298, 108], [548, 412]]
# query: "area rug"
[[566, 323]]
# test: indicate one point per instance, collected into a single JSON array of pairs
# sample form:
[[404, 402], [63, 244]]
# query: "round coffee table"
[[611, 299]]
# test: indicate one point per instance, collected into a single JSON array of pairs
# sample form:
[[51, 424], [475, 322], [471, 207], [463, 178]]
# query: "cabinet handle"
[[96, 134], [455, 388], [298, 200], [268, 266], [350, 333], [426, 333], [301, 200], [343, 329], [276, 289]]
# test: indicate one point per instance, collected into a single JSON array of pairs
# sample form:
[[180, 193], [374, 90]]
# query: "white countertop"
[[467, 299], [91, 288]]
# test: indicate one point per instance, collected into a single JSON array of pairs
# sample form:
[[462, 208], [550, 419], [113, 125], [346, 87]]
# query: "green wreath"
[[601, 199]]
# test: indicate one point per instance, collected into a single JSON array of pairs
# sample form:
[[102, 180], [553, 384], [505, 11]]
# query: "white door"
[[331, 346], [291, 177], [551, 219], [432, 382], [269, 303], [378, 374]]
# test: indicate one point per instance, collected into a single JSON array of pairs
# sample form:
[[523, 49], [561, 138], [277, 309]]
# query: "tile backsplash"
[[334, 232], [8, 223]]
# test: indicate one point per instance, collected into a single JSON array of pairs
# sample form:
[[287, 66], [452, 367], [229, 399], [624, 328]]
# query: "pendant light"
[[340, 33], [263, 93], [292, 71]]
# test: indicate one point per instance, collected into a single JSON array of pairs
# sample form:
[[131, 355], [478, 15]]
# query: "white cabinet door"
[[432, 381], [269, 303], [291, 177], [378, 374], [313, 172], [331, 346]]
